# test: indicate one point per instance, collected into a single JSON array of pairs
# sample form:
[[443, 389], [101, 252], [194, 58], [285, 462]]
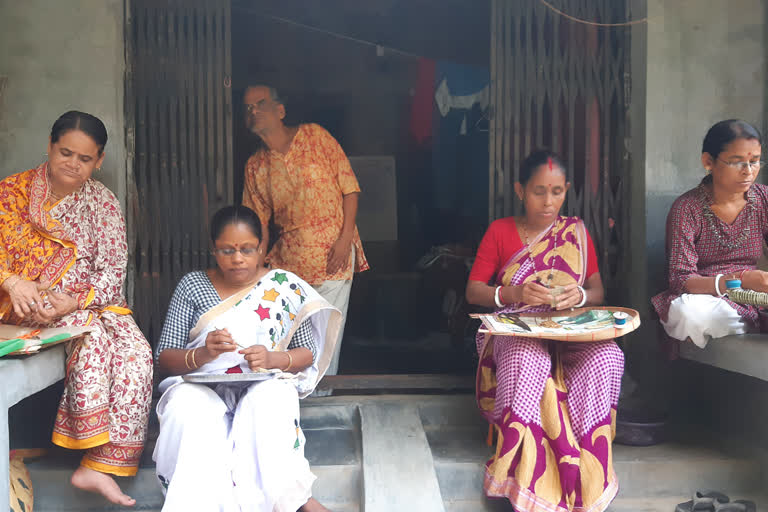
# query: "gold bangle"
[[193, 358], [290, 361], [186, 359]]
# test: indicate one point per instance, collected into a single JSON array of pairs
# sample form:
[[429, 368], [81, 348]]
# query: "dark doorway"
[[415, 91], [368, 72]]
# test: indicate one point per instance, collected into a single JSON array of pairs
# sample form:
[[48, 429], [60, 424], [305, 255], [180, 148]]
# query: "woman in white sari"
[[228, 442]]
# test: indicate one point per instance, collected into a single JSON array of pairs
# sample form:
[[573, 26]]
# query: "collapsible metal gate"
[[564, 85], [178, 96]]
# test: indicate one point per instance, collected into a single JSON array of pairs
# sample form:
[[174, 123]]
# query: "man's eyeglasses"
[[245, 251], [259, 106], [743, 166]]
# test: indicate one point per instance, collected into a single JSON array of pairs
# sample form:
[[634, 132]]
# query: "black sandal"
[[706, 501], [737, 506]]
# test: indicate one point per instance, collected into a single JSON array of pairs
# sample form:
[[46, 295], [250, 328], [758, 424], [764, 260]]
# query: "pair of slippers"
[[713, 501]]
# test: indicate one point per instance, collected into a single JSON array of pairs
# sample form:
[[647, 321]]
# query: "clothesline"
[[413, 55], [592, 23], [329, 32]]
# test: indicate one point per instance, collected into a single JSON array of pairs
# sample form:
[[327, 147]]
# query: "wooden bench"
[[19, 378], [744, 353]]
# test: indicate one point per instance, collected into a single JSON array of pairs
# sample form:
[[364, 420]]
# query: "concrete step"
[[665, 474], [334, 454], [619, 505], [398, 467], [675, 469], [664, 504], [477, 505], [337, 487], [669, 469], [53, 491], [333, 508], [371, 451]]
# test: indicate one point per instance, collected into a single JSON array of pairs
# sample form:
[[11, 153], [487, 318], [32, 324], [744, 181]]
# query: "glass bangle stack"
[[737, 294]]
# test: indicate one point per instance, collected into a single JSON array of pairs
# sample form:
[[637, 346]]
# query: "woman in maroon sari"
[[552, 404]]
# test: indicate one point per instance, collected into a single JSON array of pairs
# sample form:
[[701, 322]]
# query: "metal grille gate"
[[180, 146], [564, 85]]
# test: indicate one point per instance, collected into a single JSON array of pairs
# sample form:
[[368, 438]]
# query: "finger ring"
[[32, 304]]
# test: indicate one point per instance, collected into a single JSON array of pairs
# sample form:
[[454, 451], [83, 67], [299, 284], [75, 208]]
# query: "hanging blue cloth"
[[460, 148], [462, 80]]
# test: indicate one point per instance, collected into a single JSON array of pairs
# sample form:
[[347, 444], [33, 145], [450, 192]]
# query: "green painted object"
[[6, 347]]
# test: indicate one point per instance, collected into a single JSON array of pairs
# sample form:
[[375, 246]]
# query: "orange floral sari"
[[78, 245], [33, 243]]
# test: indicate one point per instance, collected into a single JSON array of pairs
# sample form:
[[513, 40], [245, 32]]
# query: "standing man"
[[302, 179]]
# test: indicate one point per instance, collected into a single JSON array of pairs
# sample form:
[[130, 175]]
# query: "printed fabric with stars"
[[272, 307]]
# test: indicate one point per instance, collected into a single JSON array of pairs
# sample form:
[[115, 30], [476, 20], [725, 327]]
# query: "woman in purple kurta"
[[716, 232]]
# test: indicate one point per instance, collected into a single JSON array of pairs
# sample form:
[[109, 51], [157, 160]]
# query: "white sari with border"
[[288, 304], [239, 446]]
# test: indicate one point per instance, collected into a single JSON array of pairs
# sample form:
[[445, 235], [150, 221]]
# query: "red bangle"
[[742, 274]]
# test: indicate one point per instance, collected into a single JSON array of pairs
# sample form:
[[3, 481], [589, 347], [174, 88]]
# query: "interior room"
[[403, 86]]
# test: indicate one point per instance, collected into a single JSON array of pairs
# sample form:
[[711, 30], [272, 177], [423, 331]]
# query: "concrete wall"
[[694, 63], [705, 63], [60, 56]]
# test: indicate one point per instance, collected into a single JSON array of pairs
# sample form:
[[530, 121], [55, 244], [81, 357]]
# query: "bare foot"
[[90, 480], [313, 506]]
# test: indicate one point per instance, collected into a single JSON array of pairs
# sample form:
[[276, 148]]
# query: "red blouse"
[[500, 242]]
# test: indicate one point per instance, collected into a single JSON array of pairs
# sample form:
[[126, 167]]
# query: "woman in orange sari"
[[63, 256]]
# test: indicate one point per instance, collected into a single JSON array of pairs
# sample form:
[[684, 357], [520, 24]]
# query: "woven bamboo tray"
[[562, 325]]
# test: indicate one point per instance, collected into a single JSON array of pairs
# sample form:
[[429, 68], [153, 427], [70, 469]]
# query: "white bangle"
[[717, 285], [497, 297], [583, 297]]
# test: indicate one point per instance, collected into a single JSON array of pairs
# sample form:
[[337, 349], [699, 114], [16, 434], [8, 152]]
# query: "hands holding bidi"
[[220, 341], [535, 293], [35, 300]]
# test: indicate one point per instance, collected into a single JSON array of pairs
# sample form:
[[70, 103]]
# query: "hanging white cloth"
[[447, 101]]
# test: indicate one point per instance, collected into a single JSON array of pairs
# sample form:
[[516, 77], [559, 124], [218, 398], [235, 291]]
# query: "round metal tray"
[[214, 378]]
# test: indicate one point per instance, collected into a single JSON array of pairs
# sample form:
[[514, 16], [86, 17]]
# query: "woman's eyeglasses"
[[245, 251], [743, 166]]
